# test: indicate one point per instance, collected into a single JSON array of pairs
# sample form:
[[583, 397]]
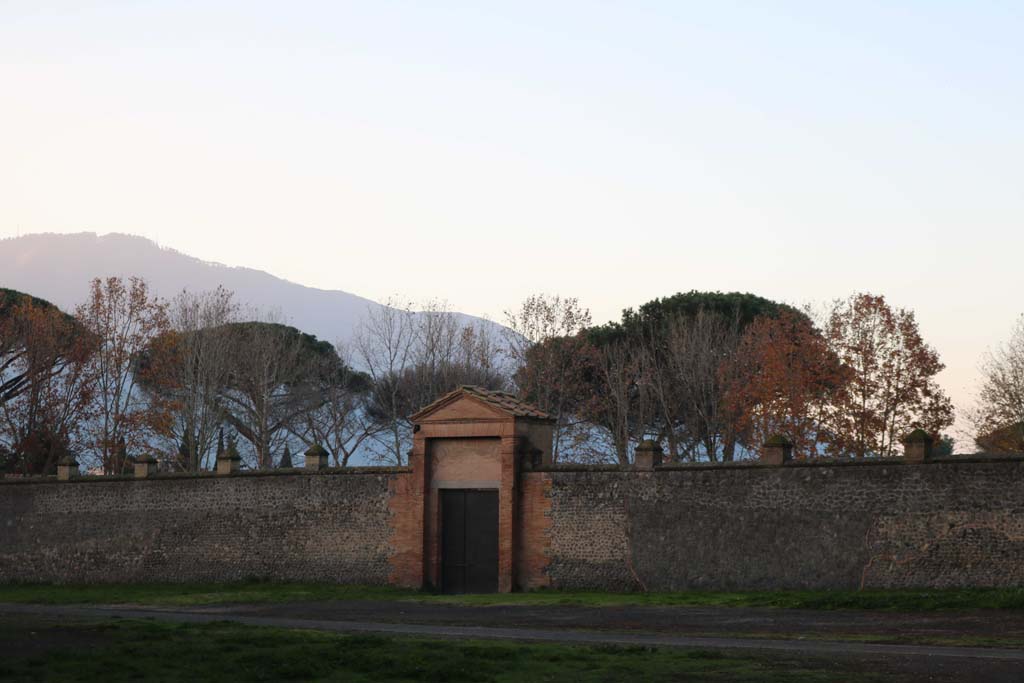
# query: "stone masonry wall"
[[326, 526], [949, 523]]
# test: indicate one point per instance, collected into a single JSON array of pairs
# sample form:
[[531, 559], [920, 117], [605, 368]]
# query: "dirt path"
[[895, 627]]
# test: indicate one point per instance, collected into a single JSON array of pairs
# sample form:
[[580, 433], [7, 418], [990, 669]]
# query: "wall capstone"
[[229, 461], [776, 450], [917, 446], [647, 456], [145, 466], [67, 468], [316, 457]]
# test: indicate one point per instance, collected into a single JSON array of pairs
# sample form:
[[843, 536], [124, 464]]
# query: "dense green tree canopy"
[[657, 313]]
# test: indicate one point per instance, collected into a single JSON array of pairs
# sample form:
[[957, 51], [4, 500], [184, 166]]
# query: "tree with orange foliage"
[[892, 388], [128, 324], [784, 381]]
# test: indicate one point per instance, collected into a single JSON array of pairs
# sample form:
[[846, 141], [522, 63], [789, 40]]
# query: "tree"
[[619, 404], [413, 358], [273, 380], [24, 355], [286, 458], [786, 381], [448, 353], [892, 387], [200, 368], [549, 352], [688, 340], [691, 363], [343, 422], [385, 342], [46, 380], [998, 417], [128, 324], [660, 313]]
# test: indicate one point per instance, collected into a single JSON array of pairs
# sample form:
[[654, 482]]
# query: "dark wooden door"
[[469, 541]]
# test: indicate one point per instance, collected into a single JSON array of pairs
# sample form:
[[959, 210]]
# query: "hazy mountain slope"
[[59, 268]]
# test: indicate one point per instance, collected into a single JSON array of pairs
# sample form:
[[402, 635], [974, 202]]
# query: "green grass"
[[261, 592], [1009, 642], [186, 594], [144, 650]]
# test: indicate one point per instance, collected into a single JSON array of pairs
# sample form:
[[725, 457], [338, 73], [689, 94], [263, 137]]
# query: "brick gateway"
[[771, 524]]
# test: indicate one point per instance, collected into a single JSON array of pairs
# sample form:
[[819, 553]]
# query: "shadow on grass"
[[263, 592], [145, 650]]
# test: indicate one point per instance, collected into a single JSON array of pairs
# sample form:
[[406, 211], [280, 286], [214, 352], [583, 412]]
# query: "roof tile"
[[499, 399]]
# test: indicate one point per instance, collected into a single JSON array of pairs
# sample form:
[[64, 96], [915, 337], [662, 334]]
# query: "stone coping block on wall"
[[177, 476]]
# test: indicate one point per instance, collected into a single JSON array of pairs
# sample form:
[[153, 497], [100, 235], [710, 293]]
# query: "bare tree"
[[699, 351], [544, 340], [462, 354], [480, 359], [669, 407], [415, 357], [343, 422], [621, 405], [201, 372], [998, 417], [385, 342]]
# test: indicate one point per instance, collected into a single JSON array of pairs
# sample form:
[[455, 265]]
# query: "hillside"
[[59, 267]]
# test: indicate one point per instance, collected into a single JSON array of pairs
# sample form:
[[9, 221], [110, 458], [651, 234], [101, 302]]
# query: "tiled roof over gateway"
[[499, 399]]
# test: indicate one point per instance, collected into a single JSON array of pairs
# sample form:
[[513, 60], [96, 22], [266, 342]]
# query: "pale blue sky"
[[479, 152]]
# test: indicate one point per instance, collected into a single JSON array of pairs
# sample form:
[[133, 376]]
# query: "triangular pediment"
[[459, 407], [464, 408], [476, 403]]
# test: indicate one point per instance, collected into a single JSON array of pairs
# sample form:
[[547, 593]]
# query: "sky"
[[480, 152]]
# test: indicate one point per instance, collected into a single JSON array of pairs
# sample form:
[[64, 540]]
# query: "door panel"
[[481, 541], [453, 541], [469, 541]]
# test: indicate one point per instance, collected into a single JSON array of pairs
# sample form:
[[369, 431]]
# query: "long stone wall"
[[333, 527], [947, 523]]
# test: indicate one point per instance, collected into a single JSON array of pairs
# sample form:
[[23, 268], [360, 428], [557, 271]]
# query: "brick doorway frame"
[[468, 413]]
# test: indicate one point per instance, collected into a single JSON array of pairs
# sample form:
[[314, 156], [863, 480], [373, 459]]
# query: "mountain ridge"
[[31, 261]]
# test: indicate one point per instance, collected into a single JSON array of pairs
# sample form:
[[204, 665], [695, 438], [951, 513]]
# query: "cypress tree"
[[286, 459]]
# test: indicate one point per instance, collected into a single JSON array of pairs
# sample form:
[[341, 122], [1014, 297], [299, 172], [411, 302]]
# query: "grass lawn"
[[261, 592], [113, 650]]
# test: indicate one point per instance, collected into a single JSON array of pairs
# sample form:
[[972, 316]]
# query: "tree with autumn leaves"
[[662, 373], [133, 348], [855, 388], [712, 376], [785, 380], [891, 388], [72, 385], [708, 372]]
